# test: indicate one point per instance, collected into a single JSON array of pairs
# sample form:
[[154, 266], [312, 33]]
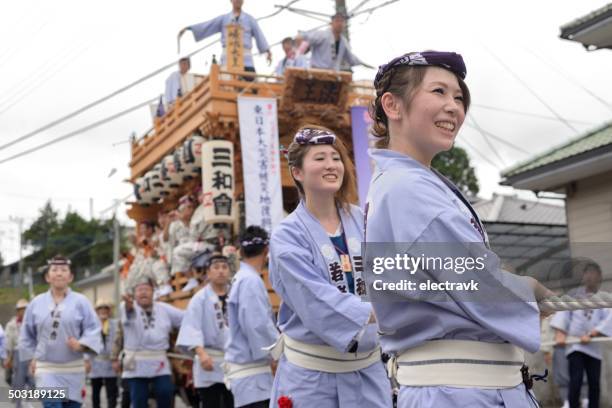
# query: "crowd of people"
[[326, 347]]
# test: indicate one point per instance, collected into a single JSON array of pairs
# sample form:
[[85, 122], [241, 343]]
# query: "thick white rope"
[[600, 300], [576, 340]]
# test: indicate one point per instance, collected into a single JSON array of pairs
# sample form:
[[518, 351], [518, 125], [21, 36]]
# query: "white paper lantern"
[[159, 188], [142, 191]]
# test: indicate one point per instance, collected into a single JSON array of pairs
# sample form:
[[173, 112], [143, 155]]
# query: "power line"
[[78, 131], [357, 7], [523, 113], [117, 92], [499, 139], [308, 13], [531, 91], [571, 79], [28, 89], [371, 9], [482, 155], [485, 137]]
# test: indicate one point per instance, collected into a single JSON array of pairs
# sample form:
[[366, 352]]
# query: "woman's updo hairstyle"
[[403, 81]]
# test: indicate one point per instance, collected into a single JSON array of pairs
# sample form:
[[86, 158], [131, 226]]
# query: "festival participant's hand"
[[206, 361], [129, 303], [87, 366], [585, 339], [74, 344], [548, 358], [560, 338], [269, 57], [116, 366], [33, 367]]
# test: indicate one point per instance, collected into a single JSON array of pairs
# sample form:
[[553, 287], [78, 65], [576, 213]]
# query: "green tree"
[[87, 243], [455, 164], [45, 225]]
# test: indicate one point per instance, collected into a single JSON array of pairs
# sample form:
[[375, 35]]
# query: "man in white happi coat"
[[147, 325]]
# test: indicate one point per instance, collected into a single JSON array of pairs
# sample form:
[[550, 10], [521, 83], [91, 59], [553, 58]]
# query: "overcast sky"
[[58, 56]]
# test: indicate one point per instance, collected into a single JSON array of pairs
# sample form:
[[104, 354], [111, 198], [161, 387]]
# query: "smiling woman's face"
[[435, 113], [322, 170]]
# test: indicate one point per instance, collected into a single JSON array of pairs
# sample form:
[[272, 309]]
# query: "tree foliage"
[[88, 243], [455, 164]]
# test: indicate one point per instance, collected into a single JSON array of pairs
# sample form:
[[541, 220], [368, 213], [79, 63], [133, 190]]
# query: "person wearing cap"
[[18, 371], [59, 326], [180, 82], [100, 367], [250, 30], [329, 352], [251, 325], [329, 47], [147, 325], [420, 105], [204, 332]]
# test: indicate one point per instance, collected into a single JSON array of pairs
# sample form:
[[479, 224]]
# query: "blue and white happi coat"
[[250, 31], [251, 330], [148, 332], [410, 204], [577, 323], [318, 308], [204, 325], [46, 328]]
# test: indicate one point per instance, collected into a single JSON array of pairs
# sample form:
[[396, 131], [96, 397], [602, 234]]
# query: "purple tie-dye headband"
[[448, 60], [312, 136]]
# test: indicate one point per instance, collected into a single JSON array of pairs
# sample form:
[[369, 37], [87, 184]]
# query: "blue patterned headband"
[[447, 60]]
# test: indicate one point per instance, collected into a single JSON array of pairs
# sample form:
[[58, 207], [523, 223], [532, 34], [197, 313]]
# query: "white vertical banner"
[[260, 161]]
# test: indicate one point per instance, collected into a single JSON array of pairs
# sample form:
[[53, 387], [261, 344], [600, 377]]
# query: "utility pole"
[[19, 222], [341, 8], [116, 247], [30, 283]]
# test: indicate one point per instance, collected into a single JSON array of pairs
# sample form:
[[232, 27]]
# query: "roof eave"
[[555, 176], [593, 34]]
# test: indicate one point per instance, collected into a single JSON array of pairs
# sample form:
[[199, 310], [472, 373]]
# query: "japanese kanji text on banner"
[[260, 161]]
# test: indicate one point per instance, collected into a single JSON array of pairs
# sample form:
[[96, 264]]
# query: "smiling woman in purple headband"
[[329, 352], [449, 347]]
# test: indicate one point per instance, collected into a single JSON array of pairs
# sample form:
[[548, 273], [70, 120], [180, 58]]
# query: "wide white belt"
[[131, 356], [217, 355], [235, 371], [72, 367], [459, 363], [322, 358]]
